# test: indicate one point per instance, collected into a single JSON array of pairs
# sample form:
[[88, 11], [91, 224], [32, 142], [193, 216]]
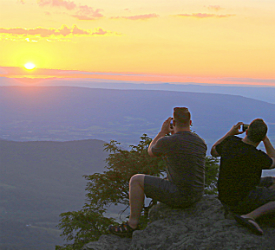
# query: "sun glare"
[[29, 65]]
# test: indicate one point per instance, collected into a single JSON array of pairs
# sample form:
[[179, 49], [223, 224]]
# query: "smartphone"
[[245, 127], [171, 123]]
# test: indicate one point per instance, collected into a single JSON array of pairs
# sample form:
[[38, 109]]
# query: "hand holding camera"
[[237, 129], [245, 127], [171, 124]]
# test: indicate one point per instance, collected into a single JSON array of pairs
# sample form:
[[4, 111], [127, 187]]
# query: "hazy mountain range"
[[262, 93]]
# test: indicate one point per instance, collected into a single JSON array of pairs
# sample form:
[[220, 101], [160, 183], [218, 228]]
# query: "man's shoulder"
[[228, 143], [192, 139], [232, 139], [194, 136], [187, 134], [260, 152]]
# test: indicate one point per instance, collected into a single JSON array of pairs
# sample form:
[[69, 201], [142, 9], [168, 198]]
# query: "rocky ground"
[[201, 227]]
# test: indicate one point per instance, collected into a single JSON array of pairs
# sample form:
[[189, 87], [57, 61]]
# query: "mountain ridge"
[[258, 92]]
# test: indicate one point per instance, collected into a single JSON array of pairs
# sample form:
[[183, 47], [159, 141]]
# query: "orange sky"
[[225, 41]]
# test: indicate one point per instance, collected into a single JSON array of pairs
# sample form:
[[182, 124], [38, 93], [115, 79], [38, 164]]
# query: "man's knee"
[[270, 182], [137, 179]]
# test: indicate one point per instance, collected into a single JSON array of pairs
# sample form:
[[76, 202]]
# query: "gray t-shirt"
[[184, 153]]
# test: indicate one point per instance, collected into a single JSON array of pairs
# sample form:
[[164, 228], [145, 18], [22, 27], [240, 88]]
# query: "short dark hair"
[[257, 130], [182, 116]]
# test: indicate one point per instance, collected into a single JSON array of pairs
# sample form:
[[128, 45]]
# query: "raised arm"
[[269, 150], [235, 130], [165, 129]]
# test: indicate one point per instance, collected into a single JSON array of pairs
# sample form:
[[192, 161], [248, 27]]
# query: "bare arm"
[[165, 129], [235, 130], [269, 150]]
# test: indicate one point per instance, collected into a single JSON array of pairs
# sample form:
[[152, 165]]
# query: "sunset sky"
[[231, 42]]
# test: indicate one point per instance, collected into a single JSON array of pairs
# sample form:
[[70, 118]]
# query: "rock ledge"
[[201, 227]]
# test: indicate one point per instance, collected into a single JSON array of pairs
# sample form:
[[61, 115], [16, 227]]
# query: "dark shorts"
[[261, 195], [167, 192]]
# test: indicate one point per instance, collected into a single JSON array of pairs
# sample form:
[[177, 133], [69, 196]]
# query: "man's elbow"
[[150, 153]]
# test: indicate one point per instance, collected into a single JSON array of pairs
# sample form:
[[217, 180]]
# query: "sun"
[[29, 65]]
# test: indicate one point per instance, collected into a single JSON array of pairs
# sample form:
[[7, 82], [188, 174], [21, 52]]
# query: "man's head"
[[257, 130], [182, 117]]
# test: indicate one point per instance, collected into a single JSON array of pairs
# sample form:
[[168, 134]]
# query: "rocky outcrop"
[[200, 227]]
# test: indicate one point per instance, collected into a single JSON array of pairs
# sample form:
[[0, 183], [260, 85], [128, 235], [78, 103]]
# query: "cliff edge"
[[200, 227]]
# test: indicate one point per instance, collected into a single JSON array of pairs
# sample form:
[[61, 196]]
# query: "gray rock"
[[200, 227], [109, 242]]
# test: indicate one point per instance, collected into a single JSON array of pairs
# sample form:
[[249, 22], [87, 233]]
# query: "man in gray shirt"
[[184, 154]]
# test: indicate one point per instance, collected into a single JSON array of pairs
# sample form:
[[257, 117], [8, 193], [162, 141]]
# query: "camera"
[[245, 127], [171, 123]]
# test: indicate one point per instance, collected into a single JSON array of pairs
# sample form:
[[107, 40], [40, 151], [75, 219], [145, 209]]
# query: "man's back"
[[240, 185], [184, 153], [240, 170]]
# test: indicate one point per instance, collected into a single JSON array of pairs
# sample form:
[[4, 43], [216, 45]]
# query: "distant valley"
[[38, 181], [52, 136], [71, 113]]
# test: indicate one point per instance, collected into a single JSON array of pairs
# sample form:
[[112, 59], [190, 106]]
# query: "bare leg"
[[265, 209], [136, 198]]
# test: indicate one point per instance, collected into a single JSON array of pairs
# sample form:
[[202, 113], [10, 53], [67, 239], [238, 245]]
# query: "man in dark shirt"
[[184, 154], [240, 186]]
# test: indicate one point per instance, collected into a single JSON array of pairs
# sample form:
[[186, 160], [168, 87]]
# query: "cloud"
[[58, 3], [81, 12], [99, 32], [213, 7], [87, 13], [204, 15], [137, 17], [45, 33]]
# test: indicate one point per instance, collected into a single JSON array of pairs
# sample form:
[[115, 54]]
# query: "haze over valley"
[[71, 113], [52, 136]]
